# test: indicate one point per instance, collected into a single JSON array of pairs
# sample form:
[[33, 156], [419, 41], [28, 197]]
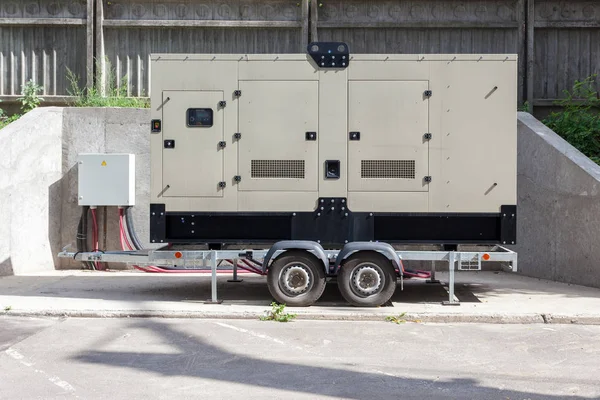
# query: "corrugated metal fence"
[[557, 41]]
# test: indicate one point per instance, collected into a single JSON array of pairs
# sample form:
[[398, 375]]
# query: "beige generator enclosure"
[[333, 147]]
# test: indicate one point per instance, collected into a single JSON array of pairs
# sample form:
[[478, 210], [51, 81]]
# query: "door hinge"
[[427, 179], [237, 93], [222, 144], [222, 103], [427, 136], [428, 93], [237, 178]]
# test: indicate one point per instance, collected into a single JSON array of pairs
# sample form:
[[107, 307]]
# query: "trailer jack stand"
[[235, 273], [213, 280], [452, 300]]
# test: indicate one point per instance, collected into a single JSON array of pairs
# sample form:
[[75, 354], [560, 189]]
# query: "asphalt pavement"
[[149, 358]]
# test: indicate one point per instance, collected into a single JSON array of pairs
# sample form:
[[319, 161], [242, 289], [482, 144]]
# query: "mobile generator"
[[319, 165]]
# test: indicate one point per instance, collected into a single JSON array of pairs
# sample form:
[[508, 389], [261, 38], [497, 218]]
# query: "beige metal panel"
[[388, 202], [436, 84], [333, 126], [434, 57], [392, 117], [405, 70], [189, 75], [276, 201], [274, 117], [272, 70], [226, 57], [195, 166], [479, 138]]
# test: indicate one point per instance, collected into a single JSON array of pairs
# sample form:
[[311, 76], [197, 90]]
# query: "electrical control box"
[[106, 179], [334, 147]]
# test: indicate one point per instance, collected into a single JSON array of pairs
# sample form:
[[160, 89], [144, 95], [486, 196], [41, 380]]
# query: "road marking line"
[[64, 385], [262, 336], [256, 334]]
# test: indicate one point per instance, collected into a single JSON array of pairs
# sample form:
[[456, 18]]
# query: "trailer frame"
[[191, 259]]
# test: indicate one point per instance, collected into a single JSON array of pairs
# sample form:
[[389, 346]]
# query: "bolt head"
[[322, 208], [193, 232], [346, 214], [193, 223], [161, 240], [162, 213], [294, 214], [153, 213], [370, 214], [318, 214], [345, 241], [332, 200], [332, 208]]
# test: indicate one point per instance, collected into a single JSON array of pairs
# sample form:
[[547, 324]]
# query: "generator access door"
[[387, 121], [278, 149], [192, 130]]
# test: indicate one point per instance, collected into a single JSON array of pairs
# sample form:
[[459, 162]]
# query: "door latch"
[[311, 135], [354, 135], [222, 144]]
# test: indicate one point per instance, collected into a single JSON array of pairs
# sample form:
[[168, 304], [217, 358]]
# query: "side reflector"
[[178, 254], [485, 257]]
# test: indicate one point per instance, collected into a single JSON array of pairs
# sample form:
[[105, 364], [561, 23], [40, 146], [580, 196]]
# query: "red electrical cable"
[[126, 245], [96, 264]]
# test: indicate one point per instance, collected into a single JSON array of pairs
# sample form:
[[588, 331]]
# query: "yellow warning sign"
[[103, 163]]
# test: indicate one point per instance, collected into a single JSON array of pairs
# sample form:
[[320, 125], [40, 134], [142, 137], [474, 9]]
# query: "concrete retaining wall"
[[38, 181], [559, 196], [559, 207]]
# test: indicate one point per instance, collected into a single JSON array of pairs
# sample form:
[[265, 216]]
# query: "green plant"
[[30, 99], [579, 121], [7, 308], [524, 107], [277, 313], [399, 319], [396, 319], [107, 90]]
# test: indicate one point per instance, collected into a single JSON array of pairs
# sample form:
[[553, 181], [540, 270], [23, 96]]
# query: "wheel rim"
[[367, 279], [295, 279]]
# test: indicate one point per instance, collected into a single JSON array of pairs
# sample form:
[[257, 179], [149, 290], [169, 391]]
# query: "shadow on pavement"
[[198, 359], [192, 288]]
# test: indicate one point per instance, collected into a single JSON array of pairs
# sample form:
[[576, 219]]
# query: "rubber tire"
[[304, 299], [345, 275]]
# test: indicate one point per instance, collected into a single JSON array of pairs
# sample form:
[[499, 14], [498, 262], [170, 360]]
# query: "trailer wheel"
[[367, 279], [296, 278]]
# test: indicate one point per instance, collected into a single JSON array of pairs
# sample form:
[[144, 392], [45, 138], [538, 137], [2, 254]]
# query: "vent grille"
[[387, 169], [277, 169]]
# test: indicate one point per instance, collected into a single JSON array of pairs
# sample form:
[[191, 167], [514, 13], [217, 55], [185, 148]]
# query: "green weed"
[[579, 121], [114, 93], [277, 313]]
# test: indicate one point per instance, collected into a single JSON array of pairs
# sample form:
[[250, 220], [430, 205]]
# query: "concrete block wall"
[[558, 224]]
